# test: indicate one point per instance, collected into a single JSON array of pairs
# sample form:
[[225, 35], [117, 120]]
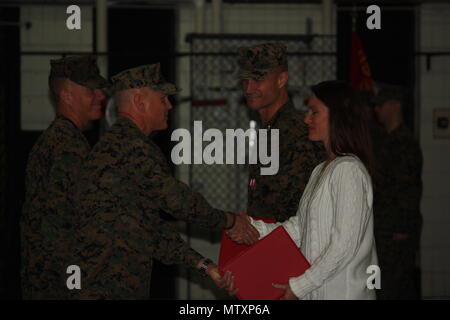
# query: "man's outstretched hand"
[[243, 232], [227, 283]]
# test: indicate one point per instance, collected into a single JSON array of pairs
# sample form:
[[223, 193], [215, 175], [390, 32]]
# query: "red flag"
[[361, 77]]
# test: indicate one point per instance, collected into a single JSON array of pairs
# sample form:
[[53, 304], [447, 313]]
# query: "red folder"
[[273, 259]]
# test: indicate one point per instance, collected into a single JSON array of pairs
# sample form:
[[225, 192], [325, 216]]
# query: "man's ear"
[[138, 101], [282, 79], [390, 106], [65, 95], [397, 105]]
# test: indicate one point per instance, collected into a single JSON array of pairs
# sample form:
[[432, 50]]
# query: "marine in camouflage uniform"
[[124, 185], [277, 196], [47, 219], [379, 138], [397, 217]]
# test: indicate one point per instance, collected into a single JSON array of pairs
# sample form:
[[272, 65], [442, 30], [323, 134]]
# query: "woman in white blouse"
[[334, 222]]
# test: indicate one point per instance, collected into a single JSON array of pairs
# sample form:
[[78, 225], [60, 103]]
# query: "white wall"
[[435, 93], [48, 32]]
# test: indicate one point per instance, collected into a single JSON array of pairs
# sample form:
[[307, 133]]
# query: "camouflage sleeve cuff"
[[223, 221], [192, 258]]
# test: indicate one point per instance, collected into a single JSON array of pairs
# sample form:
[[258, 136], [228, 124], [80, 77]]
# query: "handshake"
[[242, 231]]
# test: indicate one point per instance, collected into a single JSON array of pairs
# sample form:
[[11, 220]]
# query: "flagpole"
[[354, 13]]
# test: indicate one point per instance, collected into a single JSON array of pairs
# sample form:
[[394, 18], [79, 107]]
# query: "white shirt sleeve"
[[348, 185], [291, 226]]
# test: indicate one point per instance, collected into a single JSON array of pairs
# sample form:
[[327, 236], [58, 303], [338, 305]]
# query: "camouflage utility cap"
[[141, 77], [388, 92], [80, 69], [258, 61]]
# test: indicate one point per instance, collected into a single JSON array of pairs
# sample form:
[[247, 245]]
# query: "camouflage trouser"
[[400, 278], [44, 287], [43, 264], [43, 279]]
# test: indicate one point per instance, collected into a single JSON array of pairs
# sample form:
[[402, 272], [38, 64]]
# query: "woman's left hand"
[[288, 294]]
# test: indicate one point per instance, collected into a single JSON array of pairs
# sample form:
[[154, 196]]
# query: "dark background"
[[390, 50]]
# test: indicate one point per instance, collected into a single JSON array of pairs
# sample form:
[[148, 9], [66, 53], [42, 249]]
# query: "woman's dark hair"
[[349, 127]]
